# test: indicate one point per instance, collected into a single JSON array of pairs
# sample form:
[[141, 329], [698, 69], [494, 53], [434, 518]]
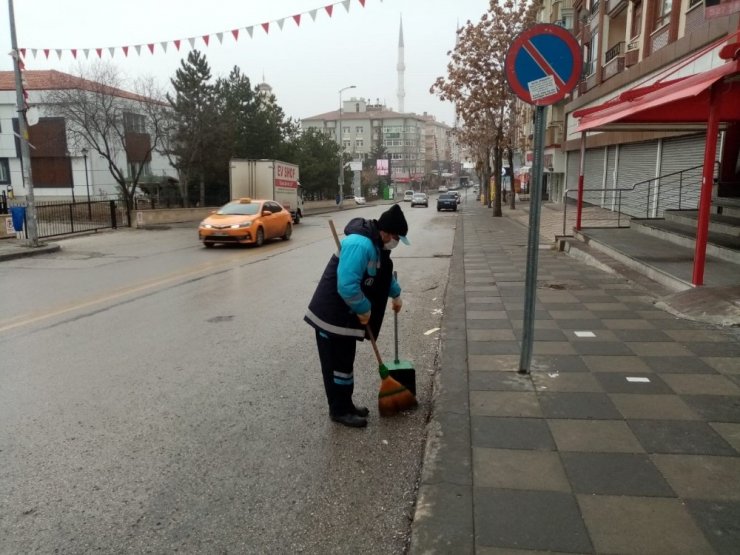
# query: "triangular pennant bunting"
[[59, 53], [191, 40], [46, 53], [362, 3], [346, 5], [86, 52], [177, 44], [329, 9], [220, 37], [206, 38], [250, 30], [125, 51], [138, 49], [112, 51], [150, 46], [163, 44], [99, 52], [23, 52], [280, 23], [74, 53], [235, 32], [266, 27], [312, 13], [297, 19], [33, 52]]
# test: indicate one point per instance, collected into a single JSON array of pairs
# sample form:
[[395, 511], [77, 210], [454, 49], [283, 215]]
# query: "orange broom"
[[393, 397]]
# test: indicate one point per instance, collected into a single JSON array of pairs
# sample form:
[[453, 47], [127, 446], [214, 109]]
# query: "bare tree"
[[123, 127]]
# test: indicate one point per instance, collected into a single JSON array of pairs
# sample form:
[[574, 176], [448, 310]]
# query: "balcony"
[[659, 38], [614, 61], [615, 7]]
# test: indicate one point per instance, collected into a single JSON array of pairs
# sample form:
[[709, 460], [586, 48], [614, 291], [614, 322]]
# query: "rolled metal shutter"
[[574, 160], [636, 164], [593, 176], [611, 159], [681, 190]]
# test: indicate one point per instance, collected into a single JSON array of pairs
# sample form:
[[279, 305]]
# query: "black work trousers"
[[337, 357]]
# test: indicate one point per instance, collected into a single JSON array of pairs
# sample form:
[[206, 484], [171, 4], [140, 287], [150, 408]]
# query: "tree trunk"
[[202, 191], [510, 158], [497, 182]]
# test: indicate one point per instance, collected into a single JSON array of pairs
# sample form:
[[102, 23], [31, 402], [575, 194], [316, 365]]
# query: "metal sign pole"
[[533, 244]]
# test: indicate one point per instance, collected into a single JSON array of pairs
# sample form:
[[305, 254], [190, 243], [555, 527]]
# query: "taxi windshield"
[[239, 209]]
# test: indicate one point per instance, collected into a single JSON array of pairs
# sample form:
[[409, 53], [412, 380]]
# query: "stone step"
[[726, 206], [720, 245], [718, 223]]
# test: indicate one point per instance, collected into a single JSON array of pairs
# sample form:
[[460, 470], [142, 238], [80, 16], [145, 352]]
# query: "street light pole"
[[87, 185], [340, 182]]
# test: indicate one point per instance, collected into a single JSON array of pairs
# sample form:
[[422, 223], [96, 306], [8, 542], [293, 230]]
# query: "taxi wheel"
[[288, 232], [260, 240], [208, 244]]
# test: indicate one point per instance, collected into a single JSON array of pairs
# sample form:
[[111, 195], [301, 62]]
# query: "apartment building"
[[630, 49], [408, 138]]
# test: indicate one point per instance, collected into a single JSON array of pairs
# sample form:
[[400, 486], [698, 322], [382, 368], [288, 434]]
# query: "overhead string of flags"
[[151, 47]]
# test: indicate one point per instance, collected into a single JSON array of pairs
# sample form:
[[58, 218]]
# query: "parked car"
[[408, 195], [446, 201], [246, 221], [457, 195], [442, 189], [359, 200], [420, 199]]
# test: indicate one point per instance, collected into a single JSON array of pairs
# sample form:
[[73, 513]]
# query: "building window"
[[134, 123], [133, 168], [4, 171], [359, 143], [359, 129], [346, 143], [636, 20], [346, 130], [663, 14]]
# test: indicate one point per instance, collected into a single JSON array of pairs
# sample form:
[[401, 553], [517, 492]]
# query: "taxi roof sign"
[[543, 64]]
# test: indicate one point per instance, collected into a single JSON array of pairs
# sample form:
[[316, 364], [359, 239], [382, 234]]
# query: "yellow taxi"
[[246, 221]]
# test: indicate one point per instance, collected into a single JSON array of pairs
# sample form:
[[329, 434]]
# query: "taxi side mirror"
[[266, 213]]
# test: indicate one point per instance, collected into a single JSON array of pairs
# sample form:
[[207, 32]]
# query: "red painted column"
[[705, 199], [581, 166]]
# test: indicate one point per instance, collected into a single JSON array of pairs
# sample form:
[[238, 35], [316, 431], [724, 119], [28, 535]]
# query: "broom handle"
[[395, 323], [336, 237], [375, 347]]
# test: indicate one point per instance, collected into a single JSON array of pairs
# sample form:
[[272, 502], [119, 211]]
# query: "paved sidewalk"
[[625, 438]]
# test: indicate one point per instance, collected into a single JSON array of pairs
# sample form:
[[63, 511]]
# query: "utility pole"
[[31, 222]]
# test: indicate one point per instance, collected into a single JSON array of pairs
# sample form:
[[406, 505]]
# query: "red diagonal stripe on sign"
[[543, 63]]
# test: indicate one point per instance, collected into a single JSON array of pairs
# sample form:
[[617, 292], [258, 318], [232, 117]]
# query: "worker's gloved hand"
[[364, 318], [397, 304]]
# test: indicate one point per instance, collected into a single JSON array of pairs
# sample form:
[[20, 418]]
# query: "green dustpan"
[[401, 370]]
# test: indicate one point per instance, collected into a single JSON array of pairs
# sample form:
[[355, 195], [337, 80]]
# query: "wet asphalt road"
[[156, 396]]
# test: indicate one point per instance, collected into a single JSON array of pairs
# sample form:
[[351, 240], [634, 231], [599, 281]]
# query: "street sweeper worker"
[[352, 293]]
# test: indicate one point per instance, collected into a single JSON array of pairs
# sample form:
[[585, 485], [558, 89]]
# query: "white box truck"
[[267, 179]]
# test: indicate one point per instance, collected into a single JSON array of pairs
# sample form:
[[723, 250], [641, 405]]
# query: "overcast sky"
[[306, 65]]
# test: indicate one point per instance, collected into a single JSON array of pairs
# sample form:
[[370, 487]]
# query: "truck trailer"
[[267, 179]]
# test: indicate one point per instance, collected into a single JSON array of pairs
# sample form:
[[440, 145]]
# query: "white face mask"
[[390, 245]]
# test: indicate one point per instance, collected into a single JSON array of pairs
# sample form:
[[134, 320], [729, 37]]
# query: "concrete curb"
[[10, 252]]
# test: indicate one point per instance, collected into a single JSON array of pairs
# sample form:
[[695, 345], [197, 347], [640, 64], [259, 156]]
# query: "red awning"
[[675, 104]]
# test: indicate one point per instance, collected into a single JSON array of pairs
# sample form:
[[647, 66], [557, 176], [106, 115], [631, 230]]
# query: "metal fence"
[[55, 218], [647, 199]]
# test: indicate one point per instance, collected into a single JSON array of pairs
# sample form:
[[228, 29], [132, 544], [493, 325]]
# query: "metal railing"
[[55, 218], [613, 52], [648, 199]]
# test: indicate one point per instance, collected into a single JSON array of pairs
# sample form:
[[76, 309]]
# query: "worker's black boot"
[[360, 411], [349, 419]]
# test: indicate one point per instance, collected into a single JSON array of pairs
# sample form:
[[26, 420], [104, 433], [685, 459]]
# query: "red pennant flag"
[[46, 53], [23, 52], [362, 3], [329, 9], [235, 32], [21, 65], [205, 39], [74, 53], [297, 19], [177, 44], [100, 52], [125, 50], [150, 46], [266, 27]]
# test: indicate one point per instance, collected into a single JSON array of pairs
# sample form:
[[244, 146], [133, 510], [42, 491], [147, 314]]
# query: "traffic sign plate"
[[543, 64]]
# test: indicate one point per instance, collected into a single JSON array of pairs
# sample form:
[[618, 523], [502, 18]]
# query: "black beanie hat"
[[393, 221]]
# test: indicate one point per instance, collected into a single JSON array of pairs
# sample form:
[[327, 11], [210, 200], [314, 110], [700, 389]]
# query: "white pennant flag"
[[138, 49], [112, 50], [250, 29], [280, 23], [346, 5], [220, 37], [86, 51], [312, 13], [33, 52], [59, 53], [164, 46], [191, 40]]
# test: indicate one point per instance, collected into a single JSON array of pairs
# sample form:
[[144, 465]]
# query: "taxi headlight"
[[205, 225], [241, 225]]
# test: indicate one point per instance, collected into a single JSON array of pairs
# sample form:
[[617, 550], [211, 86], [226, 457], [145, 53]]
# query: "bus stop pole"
[[533, 244]]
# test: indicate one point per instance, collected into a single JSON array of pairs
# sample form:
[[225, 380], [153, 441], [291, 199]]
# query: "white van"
[[408, 196]]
